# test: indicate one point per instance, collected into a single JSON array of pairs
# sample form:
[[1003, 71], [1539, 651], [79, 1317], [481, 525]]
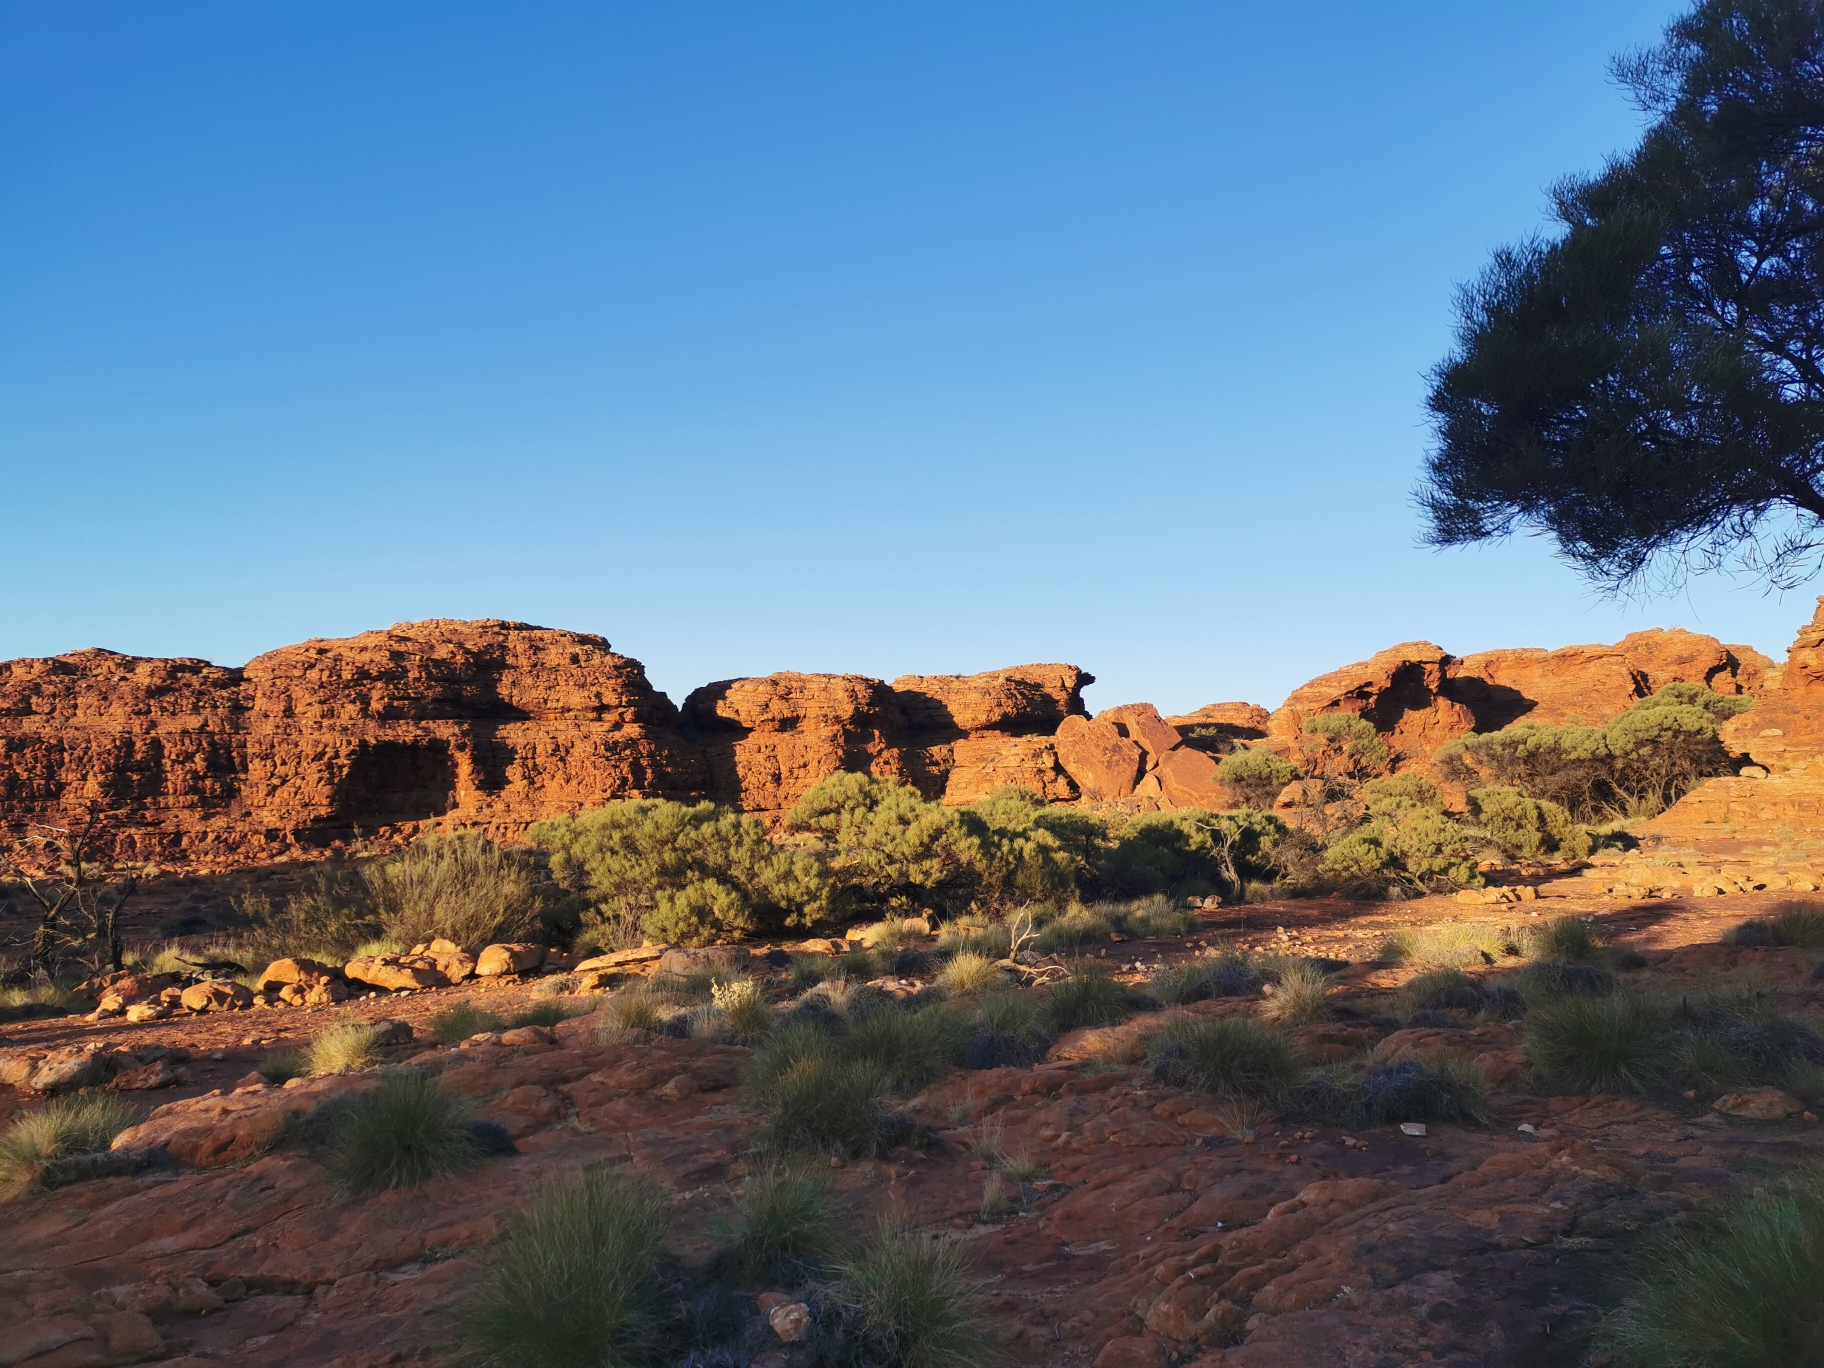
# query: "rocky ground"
[[1162, 1227]]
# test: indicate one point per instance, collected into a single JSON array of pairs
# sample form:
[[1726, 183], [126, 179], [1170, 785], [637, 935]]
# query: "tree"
[[78, 906], [1646, 387]]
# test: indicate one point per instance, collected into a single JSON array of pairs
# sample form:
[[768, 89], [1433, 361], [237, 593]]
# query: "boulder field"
[[494, 725], [1160, 1227]]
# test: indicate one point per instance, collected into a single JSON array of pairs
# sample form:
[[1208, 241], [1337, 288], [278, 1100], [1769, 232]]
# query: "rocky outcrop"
[[953, 737], [1131, 751], [1784, 731], [1402, 691]]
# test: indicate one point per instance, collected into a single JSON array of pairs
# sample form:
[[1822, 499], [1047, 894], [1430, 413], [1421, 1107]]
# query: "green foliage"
[[1737, 1290], [281, 1067], [914, 1303], [1297, 998], [1256, 776], [910, 1049], [744, 1008], [404, 1133], [1085, 997], [461, 886], [457, 1023], [1401, 793], [40, 996], [1414, 849], [1381, 1093], [1646, 759], [1637, 385], [35, 1140], [1569, 939], [1792, 923], [1233, 973], [576, 1282], [968, 972], [1234, 1057], [1450, 945], [348, 1048], [1341, 746], [690, 874], [1619, 1043], [636, 1008], [1525, 828], [1184, 849], [820, 1104], [787, 1221], [326, 919]]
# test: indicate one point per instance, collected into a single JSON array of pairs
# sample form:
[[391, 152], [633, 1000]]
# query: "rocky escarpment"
[[495, 725]]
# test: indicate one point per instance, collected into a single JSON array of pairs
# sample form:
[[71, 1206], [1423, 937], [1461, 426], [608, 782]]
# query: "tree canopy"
[[1646, 386]]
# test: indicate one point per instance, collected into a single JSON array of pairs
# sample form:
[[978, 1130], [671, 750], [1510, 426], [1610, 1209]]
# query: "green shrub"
[[1185, 850], [1344, 747], [1233, 1057], [461, 886], [35, 1140], [691, 874], [1413, 850], [1255, 776], [328, 918], [1739, 1290], [1298, 997], [787, 1222], [282, 1066], [1409, 1090], [1398, 793], [404, 1133], [1620, 1043], [1525, 828], [348, 1048], [1085, 997], [576, 1283], [913, 1302], [458, 1022]]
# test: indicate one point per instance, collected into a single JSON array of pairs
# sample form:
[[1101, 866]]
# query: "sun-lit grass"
[[1298, 997], [744, 1008], [1235, 1057], [787, 1223], [967, 972], [403, 1133], [912, 1296], [458, 1022], [349, 1048], [65, 1126]]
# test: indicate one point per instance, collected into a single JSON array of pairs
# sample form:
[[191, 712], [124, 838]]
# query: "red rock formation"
[[485, 724], [954, 737], [1784, 731], [1400, 690], [1132, 751]]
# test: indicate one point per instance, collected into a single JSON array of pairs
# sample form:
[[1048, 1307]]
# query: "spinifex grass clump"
[[1234, 1057], [1007, 1033], [912, 1303], [457, 1023], [344, 1049], [910, 1049], [1085, 997], [576, 1283], [281, 1066], [1569, 940], [812, 1098], [968, 972], [405, 1132], [787, 1224], [743, 1007], [1620, 1043], [1792, 923], [1449, 946], [1409, 1090], [1229, 975], [1297, 998], [1740, 1290], [67, 1126]]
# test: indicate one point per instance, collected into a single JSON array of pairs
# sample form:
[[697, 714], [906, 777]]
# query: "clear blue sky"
[[876, 338]]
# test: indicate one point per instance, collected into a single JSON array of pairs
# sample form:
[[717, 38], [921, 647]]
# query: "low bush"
[[911, 1049], [820, 1104], [913, 1303], [1414, 850], [1007, 1033], [1791, 923], [1618, 1043], [1737, 1290], [807, 971], [348, 1048], [576, 1283], [1255, 776], [1228, 975], [744, 1008], [328, 918], [35, 1140], [1385, 1093], [1074, 930], [1548, 980], [1524, 828], [636, 1008], [1233, 1057], [40, 996], [546, 1013], [1298, 997], [989, 942], [457, 1023], [1085, 997], [787, 1224], [461, 886], [404, 1133], [282, 1066]]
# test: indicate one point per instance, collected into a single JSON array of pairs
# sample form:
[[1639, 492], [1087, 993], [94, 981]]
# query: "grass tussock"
[[1230, 974], [576, 1283], [1087, 996], [1740, 1290], [967, 973], [787, 1224], [281, 1066], [66, 1126], [1452, 945], [1298, 998], [1232, 1057], [1618, 1043], [1410, 1090], [743, 1006], [41, 996], [913, 1303], [455, 1024], [348, 1048], [404, 1133], [1790, 923]]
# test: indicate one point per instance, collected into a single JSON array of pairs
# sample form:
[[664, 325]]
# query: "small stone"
[[219, 1055], [1758, 1104], [790, 1322], [1412, 1128]]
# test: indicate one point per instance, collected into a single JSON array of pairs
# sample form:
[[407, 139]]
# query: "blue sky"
[[877, 338]]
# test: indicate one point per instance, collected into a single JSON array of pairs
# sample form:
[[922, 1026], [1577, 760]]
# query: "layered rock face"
[[486, 724], [952, 737]]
